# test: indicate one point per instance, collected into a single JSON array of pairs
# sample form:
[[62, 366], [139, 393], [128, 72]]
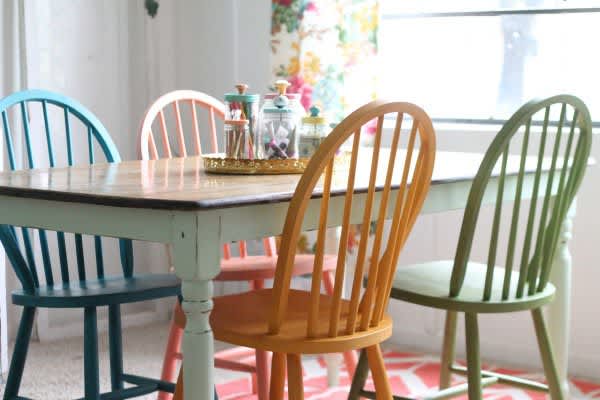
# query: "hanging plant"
[[151, 7]]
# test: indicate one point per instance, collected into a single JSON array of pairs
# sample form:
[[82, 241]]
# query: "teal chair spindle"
[[461, 285], [71, 291]]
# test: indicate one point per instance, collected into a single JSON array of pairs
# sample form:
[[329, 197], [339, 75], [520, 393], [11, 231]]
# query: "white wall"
[[127, 59]]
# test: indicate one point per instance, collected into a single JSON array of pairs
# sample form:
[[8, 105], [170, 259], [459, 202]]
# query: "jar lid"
[[236, 122], [291, 96], [314, 117], [278, 110], [241, 95]]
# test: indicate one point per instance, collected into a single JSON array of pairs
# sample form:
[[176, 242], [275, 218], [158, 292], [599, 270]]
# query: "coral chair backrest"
[[64, 124], [400, 179], [556, 132], [194, 101], [177, 100]]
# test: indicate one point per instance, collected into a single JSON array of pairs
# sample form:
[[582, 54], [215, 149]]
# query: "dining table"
[[177, 202]]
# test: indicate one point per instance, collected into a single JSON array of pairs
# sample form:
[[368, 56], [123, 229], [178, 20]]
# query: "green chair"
[[80, 289], [462, 285]]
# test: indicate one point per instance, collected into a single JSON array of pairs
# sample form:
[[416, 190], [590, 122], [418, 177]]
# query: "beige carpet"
[[54, 371]]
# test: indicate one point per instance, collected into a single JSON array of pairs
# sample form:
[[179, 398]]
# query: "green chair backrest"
[[561, 155], [76, 119]]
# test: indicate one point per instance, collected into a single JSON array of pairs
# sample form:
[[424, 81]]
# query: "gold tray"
[[218, 164]]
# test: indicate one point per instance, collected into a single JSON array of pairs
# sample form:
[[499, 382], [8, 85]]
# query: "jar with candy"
[[278, 131], [238, 141], [243, 106], [313, 131]]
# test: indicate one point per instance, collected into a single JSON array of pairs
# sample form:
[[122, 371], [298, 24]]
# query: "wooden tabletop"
[[182, 183]]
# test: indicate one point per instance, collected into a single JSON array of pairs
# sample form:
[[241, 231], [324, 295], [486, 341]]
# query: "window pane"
[[486, 67]]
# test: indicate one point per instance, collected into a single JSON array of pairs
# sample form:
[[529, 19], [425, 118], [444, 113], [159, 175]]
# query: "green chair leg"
[[547, 357], [17, 364], [115, 343], [473, 359], [90, 354], [360, 377], [448, 350]]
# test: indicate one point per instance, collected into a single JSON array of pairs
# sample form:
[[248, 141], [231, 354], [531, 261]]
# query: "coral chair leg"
[[448, 350], [262, 374], [350, 358], [295, 384], [169, 369], [380, 379], [277, 376]]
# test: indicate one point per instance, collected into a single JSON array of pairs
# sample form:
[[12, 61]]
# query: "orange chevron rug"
[[410, 375]]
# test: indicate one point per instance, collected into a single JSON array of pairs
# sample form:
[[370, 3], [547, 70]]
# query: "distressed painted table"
[[174, 201]]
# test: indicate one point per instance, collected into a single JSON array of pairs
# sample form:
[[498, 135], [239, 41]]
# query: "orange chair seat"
[[241, 319], [253, 268]]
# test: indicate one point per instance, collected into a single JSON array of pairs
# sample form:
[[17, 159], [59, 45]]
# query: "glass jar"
[[239, 143], [313, 131], [243, 106], [278, 135]]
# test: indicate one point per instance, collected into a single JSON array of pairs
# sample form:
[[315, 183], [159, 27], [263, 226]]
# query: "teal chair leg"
[[17, 364], [90, 354], [360, 377], [115, 343]]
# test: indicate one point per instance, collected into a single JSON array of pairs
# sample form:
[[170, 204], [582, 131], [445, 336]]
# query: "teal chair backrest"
[[565, 135], [39, 149]]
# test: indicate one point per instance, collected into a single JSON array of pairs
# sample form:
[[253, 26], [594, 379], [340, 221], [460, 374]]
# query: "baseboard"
[[580, 366]]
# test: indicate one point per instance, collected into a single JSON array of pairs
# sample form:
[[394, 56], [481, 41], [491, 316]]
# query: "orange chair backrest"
[[400, 181]]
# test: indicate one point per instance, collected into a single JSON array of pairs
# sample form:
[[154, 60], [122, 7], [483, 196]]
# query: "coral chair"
[[254, 269], [291, 322], [49, 142], [464, 286]]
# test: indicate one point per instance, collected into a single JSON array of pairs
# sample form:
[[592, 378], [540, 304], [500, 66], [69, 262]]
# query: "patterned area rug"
[[410, 375]]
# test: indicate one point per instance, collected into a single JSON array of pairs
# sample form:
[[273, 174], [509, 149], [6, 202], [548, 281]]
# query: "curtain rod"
[[492, 13]]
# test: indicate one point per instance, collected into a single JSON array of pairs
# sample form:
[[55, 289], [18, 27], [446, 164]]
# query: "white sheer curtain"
[[13, 77]]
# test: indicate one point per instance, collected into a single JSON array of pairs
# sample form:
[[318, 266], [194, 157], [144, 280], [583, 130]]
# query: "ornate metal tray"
[[218, 164]]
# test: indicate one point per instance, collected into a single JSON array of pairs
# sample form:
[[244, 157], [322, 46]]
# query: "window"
[[477, 61]]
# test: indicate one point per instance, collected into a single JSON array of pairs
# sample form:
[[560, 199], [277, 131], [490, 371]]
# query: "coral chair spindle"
[[254, 269], [551, 158], [53, 142], [291, 322]]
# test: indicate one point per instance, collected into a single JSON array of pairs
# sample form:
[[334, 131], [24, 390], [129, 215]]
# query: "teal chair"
[[464, 286], [74, 289]]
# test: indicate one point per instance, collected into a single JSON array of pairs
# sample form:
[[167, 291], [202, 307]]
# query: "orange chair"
[[290, 322], [254, 269]]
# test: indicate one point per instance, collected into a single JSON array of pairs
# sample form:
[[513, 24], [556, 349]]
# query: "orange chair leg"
[[295, 383], [169, 368], [350, 357], [277, 376], [179, 388], [380, 378]]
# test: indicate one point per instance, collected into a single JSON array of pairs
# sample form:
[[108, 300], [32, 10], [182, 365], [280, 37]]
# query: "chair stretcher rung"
[[142, 380], [454, 391], [505, 379], [128, 393]]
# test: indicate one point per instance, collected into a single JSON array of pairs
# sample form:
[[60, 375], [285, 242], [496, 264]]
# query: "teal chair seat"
[[62, 127], [427, 284], [100, 292]]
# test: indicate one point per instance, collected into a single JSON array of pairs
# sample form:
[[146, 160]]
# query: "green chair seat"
[[427, 284], [100, 292]]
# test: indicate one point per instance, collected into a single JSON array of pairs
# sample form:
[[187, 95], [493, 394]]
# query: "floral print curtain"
[[326, 49]]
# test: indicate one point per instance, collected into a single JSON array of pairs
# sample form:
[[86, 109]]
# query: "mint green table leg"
[[196, 245]]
